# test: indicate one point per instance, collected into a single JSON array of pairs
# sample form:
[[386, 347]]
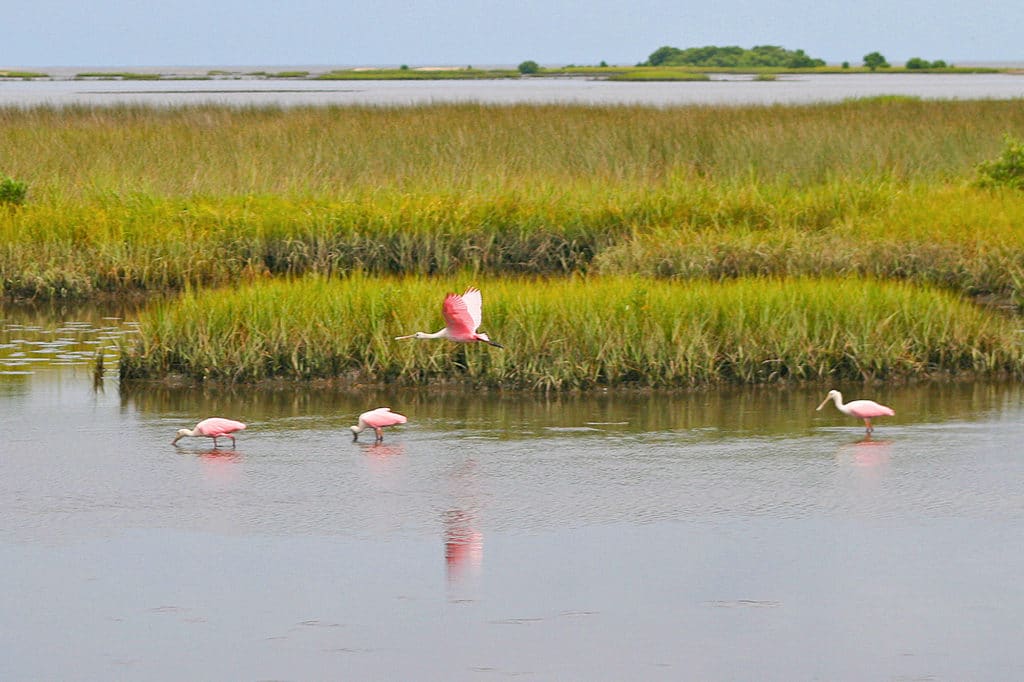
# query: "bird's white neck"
[[443, 334]]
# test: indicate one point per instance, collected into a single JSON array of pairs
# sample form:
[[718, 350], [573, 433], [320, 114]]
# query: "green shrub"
[[528, 67], [918, 63], [875, 60], [1007, 170], [13, 191]]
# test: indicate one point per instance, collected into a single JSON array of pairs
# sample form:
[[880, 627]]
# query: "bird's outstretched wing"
[[474, 304], [458, 315]]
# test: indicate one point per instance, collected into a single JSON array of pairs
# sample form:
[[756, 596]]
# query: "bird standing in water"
[[861, 409], [214, 427], [377, 420], [462, 316]]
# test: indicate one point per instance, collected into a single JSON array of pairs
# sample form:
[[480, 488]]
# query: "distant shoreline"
[[440, 71]]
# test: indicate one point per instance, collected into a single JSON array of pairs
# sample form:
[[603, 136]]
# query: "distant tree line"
[[918, 63], [710, 55], [875, 60]]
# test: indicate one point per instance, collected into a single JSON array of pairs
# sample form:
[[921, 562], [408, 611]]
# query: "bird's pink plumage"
[[866, 409], [218, 426], [458, 316], [381, 417]]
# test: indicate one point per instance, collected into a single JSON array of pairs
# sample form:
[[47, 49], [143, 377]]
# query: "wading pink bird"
[[214, 427], [861, 409], [461, 316], [376, 420]]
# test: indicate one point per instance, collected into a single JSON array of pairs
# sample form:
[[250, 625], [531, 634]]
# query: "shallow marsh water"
[[714, 535], [721, 89]]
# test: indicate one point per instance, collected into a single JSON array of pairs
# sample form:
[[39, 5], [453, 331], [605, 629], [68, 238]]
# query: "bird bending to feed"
[[377, 420], [461, 316], [214, 427], [861, 409]]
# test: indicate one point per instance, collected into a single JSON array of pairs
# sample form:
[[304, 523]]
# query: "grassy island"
[[575, 333], [129, 199]]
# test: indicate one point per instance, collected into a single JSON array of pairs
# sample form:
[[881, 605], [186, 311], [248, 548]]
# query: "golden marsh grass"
[[135, 198], [575, 332]]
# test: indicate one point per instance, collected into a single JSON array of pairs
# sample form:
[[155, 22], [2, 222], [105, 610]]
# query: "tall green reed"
[[81, 152], [961, 238], [573, 333], [957, 238], [137, 198]]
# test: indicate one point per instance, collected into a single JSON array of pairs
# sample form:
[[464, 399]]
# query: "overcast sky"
[[463, 32]]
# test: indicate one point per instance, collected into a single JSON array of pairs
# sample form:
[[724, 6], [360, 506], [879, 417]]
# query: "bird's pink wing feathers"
[[474, 304], [868, 409], [381, 417], [462, 313], [218, 426]]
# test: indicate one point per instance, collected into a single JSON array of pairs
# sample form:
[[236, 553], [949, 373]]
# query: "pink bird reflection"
[[219, 466], [867, 453], [463, 545], [382, 451], [383, 460]]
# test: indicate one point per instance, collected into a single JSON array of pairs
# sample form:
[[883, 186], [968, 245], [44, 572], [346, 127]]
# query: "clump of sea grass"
[[574, 333]]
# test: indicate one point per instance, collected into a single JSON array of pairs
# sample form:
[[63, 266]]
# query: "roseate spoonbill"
[[214, 427], [461, 317], [861, 409], [376, 420]]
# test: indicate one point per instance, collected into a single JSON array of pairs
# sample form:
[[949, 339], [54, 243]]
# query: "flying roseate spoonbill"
[[461, 317], [376, 420], [214, 427], [861, 409]]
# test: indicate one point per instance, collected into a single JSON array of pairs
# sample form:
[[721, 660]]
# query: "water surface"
[[713, 535], [726, 89]]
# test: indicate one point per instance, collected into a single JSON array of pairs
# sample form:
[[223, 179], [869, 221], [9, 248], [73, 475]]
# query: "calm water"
[[727, 535], [722, 90]]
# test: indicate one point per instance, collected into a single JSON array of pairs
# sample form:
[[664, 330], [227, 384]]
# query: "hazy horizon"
[[73, 69], [197, 33]]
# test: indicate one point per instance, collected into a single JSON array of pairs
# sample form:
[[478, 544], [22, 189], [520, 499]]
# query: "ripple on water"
[[62, 343]]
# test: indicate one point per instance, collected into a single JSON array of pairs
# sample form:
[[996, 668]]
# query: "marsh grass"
[[418, 74], [137, 198], [573, 333], [118, 75], [960, 238], [80, 153], [955, 238], [651, 74], [23, 75]]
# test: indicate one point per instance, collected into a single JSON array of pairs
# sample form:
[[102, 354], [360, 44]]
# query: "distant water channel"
[[718, 535], [786, 89]]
